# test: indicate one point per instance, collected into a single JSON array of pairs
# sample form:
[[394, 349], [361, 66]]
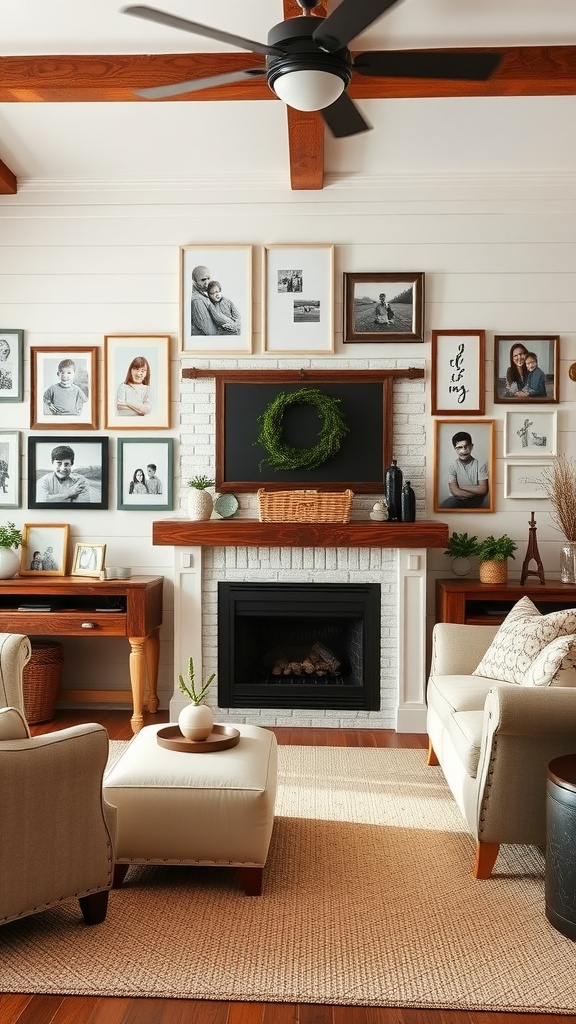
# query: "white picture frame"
[[298, 301], [231, 267], [524, 480], [124, 356], [531, 433]]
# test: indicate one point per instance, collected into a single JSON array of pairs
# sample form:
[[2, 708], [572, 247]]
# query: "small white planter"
[[195, 721], [200, 504], [9, 563]]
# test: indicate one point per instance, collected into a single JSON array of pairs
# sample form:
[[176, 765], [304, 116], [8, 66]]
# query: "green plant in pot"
[[461, 548], [200, 502], [10, 541], [494, 553], [196, 719]]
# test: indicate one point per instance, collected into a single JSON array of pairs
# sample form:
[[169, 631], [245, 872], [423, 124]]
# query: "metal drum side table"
[[560, 879]]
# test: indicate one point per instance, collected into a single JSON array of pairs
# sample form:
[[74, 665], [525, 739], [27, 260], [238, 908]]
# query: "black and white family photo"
[[298, 299], [215, 299], [145, 474], [383, 307], [44, 549]]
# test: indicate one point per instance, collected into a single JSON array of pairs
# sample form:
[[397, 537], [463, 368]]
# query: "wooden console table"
[[80, 606], [476, 603]]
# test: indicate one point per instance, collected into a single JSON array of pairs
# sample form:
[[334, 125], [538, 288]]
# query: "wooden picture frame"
[[530, 434], [457, 365], [11, 365], [298, 303], [137, 381], [510, 382], [399, 317], [88, 559], [9, 469], [44, 549], [64, 388], [523, 480], [207, 327], [445, 456], [152, 458], [60, 480]]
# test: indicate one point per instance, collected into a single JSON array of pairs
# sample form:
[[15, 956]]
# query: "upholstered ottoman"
[[188, 808]]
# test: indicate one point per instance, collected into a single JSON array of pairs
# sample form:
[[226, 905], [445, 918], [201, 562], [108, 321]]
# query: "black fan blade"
[[161, 92], [152, 14], [475, 67], [344, 118], [348, 21]]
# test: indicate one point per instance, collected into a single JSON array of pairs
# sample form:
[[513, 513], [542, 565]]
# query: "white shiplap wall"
[[78, 261]]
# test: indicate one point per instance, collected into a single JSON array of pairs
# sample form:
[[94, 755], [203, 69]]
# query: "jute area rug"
[[368, 899]]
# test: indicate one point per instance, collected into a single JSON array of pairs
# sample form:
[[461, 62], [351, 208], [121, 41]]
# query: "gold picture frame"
[[88, 559], [44, 549]]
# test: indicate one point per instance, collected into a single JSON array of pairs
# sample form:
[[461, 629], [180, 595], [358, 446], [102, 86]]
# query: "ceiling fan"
[[309, 66]]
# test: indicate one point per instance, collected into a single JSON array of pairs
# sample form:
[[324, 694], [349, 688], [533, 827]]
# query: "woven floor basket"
[[41, 680], [304, 506]]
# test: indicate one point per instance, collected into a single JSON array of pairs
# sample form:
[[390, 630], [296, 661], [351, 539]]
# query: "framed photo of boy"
[[11, 365], [384, 306], [64, 388], [463, 466], [137, 381], [44, 549], [458, 359], [215, 300], [9, 469], [145, 471], [68, 472], [531, 434], [298, 306], [526, 368], [88, 559]]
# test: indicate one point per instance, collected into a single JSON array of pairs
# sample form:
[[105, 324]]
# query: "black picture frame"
[[90, 462], [404, 306]]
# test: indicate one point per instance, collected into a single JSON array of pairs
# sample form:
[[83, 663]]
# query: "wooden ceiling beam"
[[8, 182]]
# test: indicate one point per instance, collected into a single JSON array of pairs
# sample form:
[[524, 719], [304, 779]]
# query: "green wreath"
[[283, 456]]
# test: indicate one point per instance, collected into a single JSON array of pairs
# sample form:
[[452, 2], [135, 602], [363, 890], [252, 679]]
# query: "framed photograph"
[[298, 306], [458, 359], [9, 469], [383, 307], [145, 473], [137, 381], [463, 466], [88, 560], [64, 388], [526, 368], [524, 480], [215, 300], [531, 434], [11, 365], [44, 549], [68, 472]]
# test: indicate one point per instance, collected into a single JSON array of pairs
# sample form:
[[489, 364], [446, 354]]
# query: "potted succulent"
[[494, 553], [196, 719], [461, 548], [10, 540], [200, 503]]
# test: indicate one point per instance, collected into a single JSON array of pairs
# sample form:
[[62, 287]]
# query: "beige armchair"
[[56, 838]]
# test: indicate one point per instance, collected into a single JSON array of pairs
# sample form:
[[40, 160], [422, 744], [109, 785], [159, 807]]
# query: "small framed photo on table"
[[64, 388], [44, 549], [88, 559], [298, 306], [137, 381], [145, 471]]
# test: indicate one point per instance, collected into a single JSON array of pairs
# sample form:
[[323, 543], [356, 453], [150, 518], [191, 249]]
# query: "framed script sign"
[[458, 373]]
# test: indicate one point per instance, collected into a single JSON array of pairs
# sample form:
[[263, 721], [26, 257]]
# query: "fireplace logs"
[[318, 661]]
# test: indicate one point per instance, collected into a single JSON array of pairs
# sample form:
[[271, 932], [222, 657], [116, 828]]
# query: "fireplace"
[[299, 645]]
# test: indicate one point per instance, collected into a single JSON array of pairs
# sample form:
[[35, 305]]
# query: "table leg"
[[137, 679], [152, 653]]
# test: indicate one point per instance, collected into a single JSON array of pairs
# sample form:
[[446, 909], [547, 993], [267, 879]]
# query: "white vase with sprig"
[[10, 541], [196, 719], [200, 501], [559, 482]]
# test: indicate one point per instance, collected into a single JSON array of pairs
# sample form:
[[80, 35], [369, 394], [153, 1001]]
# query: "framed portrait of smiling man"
[[463, 466], [68, 472], [216, 300]]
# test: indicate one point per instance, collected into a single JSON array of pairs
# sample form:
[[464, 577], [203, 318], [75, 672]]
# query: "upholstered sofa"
[[494, 739]]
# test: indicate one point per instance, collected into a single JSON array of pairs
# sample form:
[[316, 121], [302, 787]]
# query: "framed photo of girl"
[[11, 365], [458, 359], [463, 466], [44, 549], [526, 368], [64, 388], [9, 469], [68, 472], [383, 306], [216, 300], [145, 470], [137, 381]]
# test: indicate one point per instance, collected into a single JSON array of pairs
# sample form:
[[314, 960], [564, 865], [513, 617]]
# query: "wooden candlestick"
[[532, 553]]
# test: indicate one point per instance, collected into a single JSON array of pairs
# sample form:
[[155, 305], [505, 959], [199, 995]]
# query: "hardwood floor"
[[40, 1009]]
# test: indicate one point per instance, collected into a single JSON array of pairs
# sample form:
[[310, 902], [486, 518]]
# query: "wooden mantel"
[[252, 532]]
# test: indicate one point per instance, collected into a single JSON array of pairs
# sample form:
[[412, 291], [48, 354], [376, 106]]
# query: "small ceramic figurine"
[[380, 511]]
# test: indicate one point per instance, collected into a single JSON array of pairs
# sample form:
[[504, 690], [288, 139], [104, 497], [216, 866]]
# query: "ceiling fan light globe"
[[309, 90]]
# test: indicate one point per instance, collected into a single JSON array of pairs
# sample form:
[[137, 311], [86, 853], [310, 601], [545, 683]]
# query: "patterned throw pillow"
[[544, 669], [566, 674], [521, 638]]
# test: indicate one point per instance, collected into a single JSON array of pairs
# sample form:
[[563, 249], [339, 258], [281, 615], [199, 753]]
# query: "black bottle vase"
[[393, 488], [408, 504]]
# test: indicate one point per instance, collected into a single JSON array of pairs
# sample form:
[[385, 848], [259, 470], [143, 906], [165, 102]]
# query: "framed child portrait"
[[68, 472], [88, 559], [384, 306], [137, 381], [64, 388], [145, 469], [463, 466], [11, 365], [44, 549]]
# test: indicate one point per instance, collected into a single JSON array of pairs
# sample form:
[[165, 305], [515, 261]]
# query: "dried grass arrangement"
[[559, 479]]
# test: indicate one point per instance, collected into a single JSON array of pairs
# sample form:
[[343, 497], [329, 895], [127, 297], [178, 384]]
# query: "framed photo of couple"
[[215, 300], [145, 471]]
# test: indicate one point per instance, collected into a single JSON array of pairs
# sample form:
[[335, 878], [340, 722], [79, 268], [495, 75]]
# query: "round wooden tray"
[[221, 737]]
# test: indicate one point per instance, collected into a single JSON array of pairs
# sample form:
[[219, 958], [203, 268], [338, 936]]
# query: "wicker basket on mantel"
[[304, 506]]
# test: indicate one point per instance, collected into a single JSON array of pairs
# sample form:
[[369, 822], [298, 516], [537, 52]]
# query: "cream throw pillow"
[[522, 637], [544, 669], [566, 674]]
